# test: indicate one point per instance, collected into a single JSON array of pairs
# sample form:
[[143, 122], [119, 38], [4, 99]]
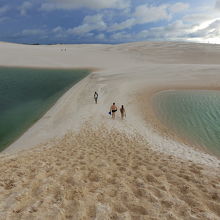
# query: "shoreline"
[[9, 147], [78, 163], [91, 69], [116, 66], [162, 129]]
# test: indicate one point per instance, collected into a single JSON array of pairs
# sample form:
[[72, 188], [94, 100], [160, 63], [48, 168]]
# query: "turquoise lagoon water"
[[193, 115], [26, 94]]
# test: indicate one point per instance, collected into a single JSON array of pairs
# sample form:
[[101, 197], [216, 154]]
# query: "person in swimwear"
[[123, 113], [96, 97], [113, 109]]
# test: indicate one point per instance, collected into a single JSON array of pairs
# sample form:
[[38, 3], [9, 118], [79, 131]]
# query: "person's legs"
[[96, 99], [113, 115]]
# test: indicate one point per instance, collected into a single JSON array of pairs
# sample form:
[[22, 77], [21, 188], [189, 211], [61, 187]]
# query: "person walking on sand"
[[96, 97], [123, 113], [113, 109]]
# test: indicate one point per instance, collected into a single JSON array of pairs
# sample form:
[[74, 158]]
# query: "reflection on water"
[[26, 94], [192, 115]]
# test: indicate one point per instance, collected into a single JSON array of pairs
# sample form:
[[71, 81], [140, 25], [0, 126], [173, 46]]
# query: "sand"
[[77, 163], [105, 174]]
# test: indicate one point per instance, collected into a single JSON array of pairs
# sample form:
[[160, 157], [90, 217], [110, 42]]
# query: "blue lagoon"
[[26, 94], [193, 115]]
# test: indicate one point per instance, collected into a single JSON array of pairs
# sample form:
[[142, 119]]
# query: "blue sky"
[[109, 21]]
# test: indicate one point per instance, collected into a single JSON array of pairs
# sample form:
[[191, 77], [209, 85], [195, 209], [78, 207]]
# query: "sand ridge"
[[122, 87], [105, 174], [77, 163]]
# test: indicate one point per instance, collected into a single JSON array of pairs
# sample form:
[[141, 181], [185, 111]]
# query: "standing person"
[[123, 113], [113, 109], [96, 97]]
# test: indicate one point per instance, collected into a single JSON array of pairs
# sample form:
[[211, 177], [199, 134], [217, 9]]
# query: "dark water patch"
[[26, 94], [193, 115]]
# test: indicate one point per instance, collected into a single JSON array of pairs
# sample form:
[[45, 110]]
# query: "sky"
[[109, 21]]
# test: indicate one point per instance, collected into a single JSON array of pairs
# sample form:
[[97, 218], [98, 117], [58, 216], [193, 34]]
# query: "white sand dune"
[[180, 184]]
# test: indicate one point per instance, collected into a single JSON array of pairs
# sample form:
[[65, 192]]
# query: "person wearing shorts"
[[113, 110]]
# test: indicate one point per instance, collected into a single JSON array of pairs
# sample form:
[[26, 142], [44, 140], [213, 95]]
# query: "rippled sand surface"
[[104, 174]]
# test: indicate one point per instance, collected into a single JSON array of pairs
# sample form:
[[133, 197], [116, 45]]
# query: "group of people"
[[113, 108]]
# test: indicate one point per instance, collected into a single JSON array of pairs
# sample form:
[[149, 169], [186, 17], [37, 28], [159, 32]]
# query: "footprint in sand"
[[93, 177], [137, 209], [215, 207], [167, 204]]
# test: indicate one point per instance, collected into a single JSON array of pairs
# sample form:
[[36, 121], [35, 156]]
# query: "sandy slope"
[[162, 178], [104, 174]]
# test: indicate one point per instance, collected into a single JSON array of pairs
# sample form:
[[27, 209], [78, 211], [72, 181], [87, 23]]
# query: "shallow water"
[[26, 94], [193, 115]]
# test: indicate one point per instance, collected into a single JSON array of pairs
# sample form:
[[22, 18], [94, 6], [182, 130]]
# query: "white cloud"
[[179, 31], [174, 31], [210, 31], [202, 23], [201, 14], [197, 18], [178, 7], [25, 7], [202, 26], [4, 9], [142, 14], [92, 4], [208, 34], [90, 23], [123, 25], [57, 29], [170, 32], [145, 14], [59, 32]]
